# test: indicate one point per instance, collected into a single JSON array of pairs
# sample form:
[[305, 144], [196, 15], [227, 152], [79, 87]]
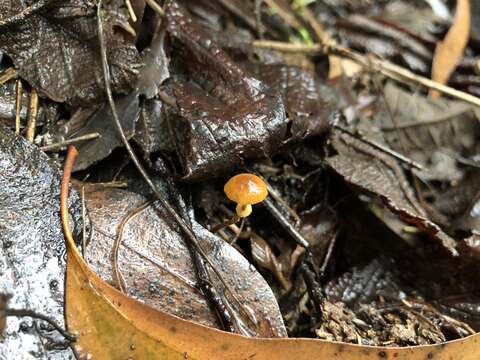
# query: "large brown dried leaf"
[[111, 325], [449, 51]]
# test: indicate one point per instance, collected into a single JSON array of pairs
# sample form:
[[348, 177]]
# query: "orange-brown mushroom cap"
[[246, 189]]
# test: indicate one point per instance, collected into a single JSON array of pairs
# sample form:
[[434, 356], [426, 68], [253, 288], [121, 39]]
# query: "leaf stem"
[[67, 172]]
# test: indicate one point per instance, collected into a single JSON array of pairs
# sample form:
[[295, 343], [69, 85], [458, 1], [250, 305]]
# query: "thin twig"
[[381, 147], [131, 11], [117, 274], [18, 105], [155, 7], [32, 115], [35, 315], [274, 194], [299, 239], [8, 74], [328, 255], [387, 68], [62, 144], [94, 186], [84, 226], [258, 19]]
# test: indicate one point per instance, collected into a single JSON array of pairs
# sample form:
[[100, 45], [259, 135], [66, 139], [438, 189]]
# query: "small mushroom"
[[246, 190]]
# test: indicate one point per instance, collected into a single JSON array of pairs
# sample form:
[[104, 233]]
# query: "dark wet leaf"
[[157, 266], [309, 104], [379, 174], [223, 115], [152, 133], [101, 122], [32, 248], [54, 46]]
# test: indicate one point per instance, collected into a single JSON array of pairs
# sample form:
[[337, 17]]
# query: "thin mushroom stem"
[[243, 210]]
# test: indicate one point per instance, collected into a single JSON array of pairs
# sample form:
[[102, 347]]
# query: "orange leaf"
[[110, 325], [449, 51]]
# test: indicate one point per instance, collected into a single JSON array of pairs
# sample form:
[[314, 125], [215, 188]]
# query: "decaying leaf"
[[309, 104], [380, 174], [52, 45], [449, 51], [101, 121], [157, 266], [433, 132]]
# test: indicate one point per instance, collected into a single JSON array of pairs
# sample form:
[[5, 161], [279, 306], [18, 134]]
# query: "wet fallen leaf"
[[309, 103], [433, 132], [90, 152], [60, 65], [222, 114], [151, 132], [381, 175], [449, 51], [32, 249], [157, 266]]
